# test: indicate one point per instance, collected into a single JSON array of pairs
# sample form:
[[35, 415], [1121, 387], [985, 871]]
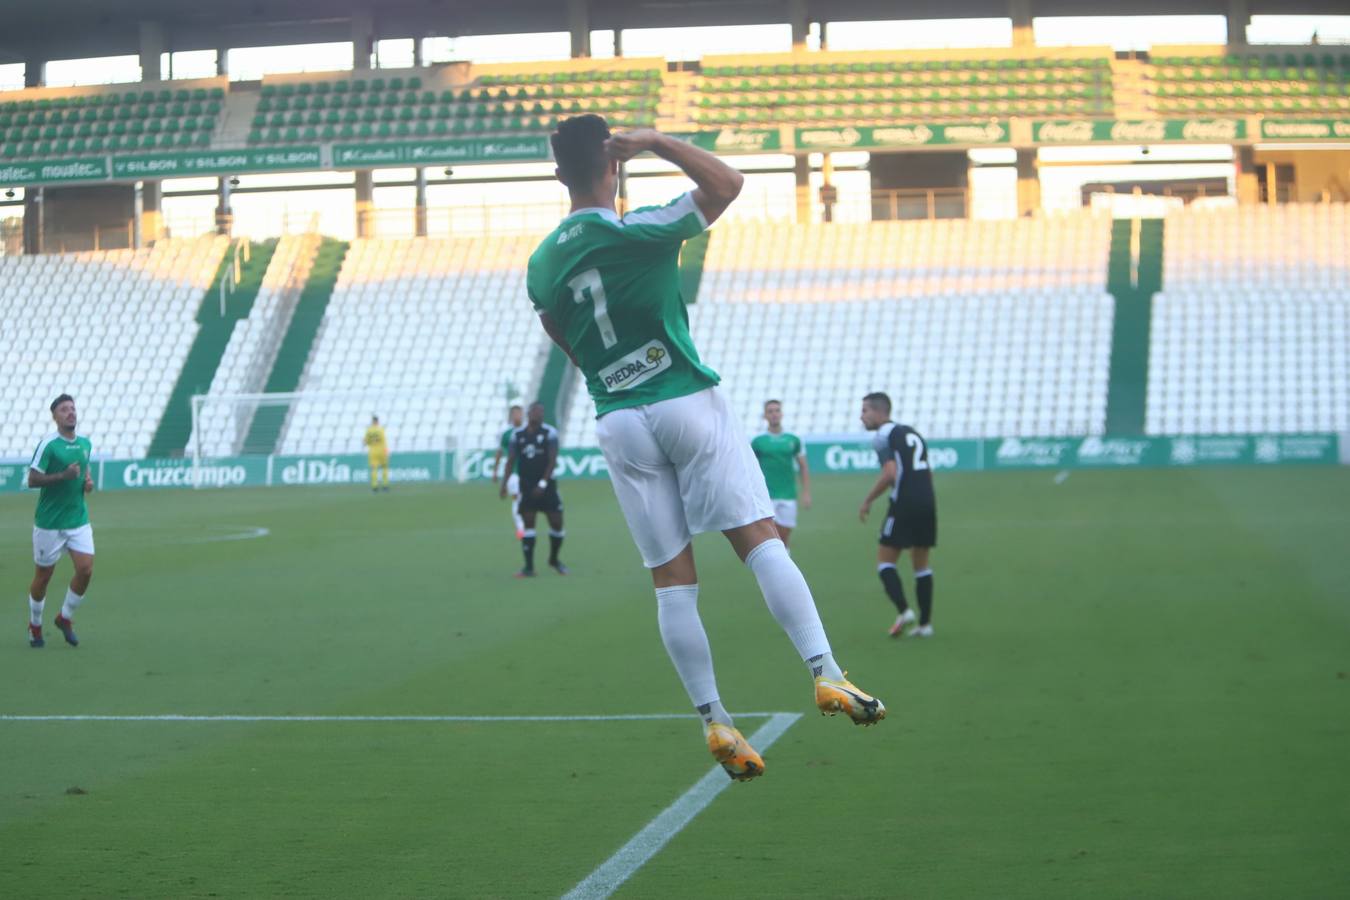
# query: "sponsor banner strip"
[[823, 456], [1138, 131], [442, 151], [919, 134], [730, 140], [1305, 129], [136, 166]]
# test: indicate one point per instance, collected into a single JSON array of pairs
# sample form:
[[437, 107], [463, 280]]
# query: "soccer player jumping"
[[607, 291], [60, 470]]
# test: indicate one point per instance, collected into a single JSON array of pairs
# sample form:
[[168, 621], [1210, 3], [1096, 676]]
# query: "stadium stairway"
[[209, 347], [1127, 386], [295, 346]]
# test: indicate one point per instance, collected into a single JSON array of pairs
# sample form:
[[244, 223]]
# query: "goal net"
[[308, 424]]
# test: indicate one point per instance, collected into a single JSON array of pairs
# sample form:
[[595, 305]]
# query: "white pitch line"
[[621, 717], [613, 872], [248, 533]]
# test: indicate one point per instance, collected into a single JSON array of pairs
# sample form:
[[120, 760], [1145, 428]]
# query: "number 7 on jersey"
[[587, 286]]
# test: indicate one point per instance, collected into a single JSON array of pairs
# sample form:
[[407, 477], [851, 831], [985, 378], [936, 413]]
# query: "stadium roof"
[[71, 29]]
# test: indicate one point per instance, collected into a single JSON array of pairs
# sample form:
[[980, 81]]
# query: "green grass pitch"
[[1139, 687]]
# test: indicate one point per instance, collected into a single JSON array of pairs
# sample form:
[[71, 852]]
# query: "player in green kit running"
[[60, 471], [782, 461], [608, 293]]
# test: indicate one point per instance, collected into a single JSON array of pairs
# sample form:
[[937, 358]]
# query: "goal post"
[[316, 424]]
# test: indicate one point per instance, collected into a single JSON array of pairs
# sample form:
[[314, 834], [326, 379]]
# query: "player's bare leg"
[[923, 589], [555, 540], [784, 533], [887, 557], [686, 642], [37, 600], [789, 600], [79, 585]]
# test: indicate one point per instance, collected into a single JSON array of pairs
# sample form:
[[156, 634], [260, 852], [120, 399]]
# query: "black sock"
[[555, 539], [923, 587], [527, 546], [891, 580]]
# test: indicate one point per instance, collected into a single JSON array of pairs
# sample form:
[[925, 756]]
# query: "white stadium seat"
[[112, 327], [975, 328], [1251, 331], [431, 334]]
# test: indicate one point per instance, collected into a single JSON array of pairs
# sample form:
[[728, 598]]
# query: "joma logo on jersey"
[[637, 367], [574, 231]]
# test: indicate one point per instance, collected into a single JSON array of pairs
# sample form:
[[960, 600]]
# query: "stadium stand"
[[1250, 331], [119, 357], [427, 103], [976, 328], [1279, 81], [865, 88], [430, 334], [43, 122], [253, 346]]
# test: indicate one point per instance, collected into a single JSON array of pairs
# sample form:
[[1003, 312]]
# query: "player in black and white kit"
[[534, 450], [911, 518]]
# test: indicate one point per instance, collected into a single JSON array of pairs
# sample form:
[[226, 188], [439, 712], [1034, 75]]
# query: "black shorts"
[[909, 525], [546, 502]]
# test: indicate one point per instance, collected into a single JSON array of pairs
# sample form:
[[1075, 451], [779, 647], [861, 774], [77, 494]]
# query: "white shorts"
[[785, 513], [48, 544], [681, 467], [513, 484]]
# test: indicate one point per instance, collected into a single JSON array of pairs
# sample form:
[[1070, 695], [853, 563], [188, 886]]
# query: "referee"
[[534, 449], [911, 519]]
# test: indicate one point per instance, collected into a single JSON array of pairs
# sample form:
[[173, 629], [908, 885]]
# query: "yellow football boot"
[[841, 696], [730, 748]]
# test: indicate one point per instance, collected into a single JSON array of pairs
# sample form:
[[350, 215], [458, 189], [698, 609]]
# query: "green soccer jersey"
[[777, 455], [612, 285], [506, 440], [61, 505]]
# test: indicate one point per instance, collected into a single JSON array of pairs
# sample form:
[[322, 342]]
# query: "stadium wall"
[[824, 457]]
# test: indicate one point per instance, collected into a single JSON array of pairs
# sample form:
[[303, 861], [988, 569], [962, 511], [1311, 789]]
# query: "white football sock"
[[789, 599], [73, 601], [35, 610], [687, 643]]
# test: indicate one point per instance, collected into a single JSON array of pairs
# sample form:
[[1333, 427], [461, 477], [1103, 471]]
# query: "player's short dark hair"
[[62, 399], [768, 403], [878, 400], [516, 406], [579, 149]]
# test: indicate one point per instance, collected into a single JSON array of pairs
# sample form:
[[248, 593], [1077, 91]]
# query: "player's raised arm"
[[718, 184]]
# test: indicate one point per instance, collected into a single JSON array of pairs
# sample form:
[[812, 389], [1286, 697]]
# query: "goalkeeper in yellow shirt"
[[377, 450]]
